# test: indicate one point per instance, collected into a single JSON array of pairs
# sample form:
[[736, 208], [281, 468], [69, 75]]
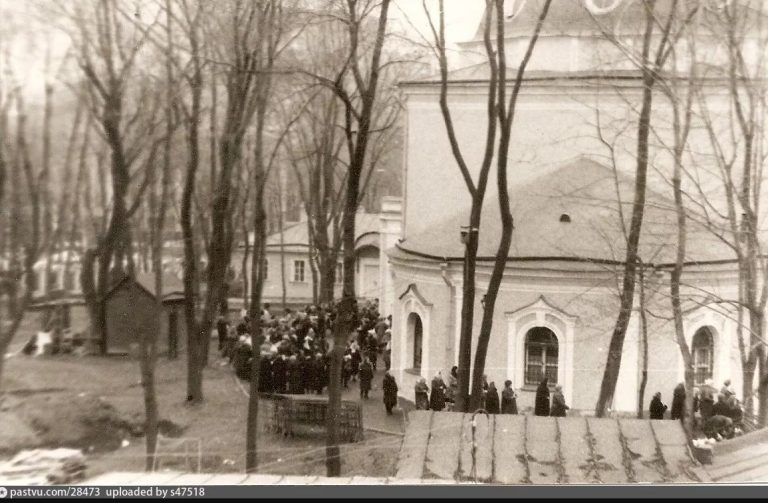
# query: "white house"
[[290, 253]]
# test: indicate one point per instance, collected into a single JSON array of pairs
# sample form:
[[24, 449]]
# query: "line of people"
[[441, 396]]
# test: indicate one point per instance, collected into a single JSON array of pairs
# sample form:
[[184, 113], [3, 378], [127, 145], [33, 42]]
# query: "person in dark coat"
[[721, 408], [265, 374], [307, 373], [657, 409], [390, 392], [242, 361], [735, 412], [279, 371], [295, 379], [346, 369], [558, 403], [320, 374], [678, 402], [437, 397], [706, 403], [492, 399], [421, 391], [222, 328], [373, 350], [366, 376], [451, 389], [541, 407], [508, 399]]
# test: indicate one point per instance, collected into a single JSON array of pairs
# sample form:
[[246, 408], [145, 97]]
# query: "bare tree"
[[651, 66], [355, 83], [107, 52], [498, 110]]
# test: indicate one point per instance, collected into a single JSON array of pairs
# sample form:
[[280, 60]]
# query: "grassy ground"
[[94, 403]]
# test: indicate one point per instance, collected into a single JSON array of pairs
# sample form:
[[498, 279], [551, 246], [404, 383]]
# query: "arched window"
[[416, 332], [541, 352], [702, 349]]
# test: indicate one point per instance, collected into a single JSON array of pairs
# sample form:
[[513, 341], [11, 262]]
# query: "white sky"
[[462, 17]]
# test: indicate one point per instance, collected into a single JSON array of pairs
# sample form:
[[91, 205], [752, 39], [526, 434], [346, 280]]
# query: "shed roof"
[[514, 449], [173, 288], [583, 192]]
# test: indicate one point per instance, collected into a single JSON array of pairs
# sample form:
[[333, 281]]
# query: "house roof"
[[585, 191], [298, 233], [173, 288]]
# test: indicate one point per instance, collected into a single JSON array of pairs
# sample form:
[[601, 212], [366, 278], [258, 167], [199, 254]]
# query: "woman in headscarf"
[[422, 395], [558, 403], [657, 408], [678, 402], [492, 399], [450, 391], [437, 398], [541, 407], [390, 392], [508, 399]]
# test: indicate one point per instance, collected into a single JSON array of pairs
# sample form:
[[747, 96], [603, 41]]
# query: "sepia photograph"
[[446, 248]]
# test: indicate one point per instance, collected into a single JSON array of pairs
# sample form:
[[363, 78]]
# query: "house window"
[[266, 269], [541, 353], [298, 271], [703, 350]]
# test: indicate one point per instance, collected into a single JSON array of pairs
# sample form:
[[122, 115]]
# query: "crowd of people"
[[295, 350], [717, 414], [295, 358]]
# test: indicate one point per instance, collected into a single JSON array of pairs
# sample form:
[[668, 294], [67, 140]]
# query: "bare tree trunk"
[[643, 345], [347, 309], [190, 276], [650, 76], [506, 119], [477, 193]]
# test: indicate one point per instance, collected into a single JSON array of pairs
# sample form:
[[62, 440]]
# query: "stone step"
[[734, 469]]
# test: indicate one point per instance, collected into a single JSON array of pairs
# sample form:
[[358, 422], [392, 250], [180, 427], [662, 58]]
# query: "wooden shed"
[[131, 310]]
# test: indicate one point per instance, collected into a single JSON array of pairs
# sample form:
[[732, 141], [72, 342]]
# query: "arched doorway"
[[541, 356], [416, 336]]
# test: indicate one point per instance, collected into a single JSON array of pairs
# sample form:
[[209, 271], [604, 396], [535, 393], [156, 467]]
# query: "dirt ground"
[[96, 404]]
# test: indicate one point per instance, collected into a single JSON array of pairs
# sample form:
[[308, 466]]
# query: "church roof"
[[572, 213], [575, 17]]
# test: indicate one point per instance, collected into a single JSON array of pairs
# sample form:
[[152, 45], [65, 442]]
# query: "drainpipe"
[[449, 325]]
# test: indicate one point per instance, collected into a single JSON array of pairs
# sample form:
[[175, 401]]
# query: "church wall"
[[590, 308]]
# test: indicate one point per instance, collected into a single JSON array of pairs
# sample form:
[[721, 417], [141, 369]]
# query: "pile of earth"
[[82, 421]]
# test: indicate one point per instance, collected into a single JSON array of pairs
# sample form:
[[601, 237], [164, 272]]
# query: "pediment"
[[413, 291], [540, 305]]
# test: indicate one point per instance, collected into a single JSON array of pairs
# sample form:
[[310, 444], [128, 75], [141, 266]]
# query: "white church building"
[[559, 298]]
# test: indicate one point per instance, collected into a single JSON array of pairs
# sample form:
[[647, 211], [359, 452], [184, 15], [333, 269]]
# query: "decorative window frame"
[[412, 301], [541, 314], [705, 316]]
